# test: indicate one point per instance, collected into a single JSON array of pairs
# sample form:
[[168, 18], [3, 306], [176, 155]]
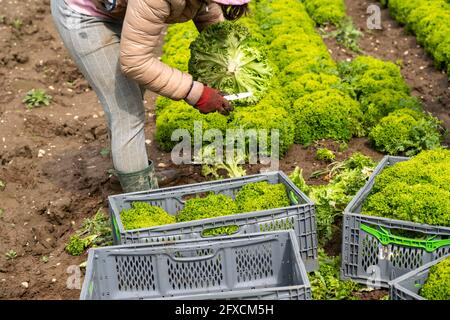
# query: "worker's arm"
[[205, 18], [142, 27]]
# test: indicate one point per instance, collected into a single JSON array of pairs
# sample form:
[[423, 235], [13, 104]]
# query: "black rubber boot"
[[138, 181]]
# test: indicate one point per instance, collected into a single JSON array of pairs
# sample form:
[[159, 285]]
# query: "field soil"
[[54, 159]]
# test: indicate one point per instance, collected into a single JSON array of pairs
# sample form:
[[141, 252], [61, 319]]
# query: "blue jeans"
[[94, 45]]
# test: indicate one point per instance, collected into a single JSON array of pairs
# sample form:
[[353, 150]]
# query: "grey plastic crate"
[[374, 259], [407, 287], [256, 266], [300, 216]]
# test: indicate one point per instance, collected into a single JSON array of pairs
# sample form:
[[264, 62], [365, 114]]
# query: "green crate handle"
[[385, 237], [91, 288], [293, 198], [116, 228]]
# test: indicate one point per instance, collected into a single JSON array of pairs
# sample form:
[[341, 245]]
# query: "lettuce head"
[[225, 57]]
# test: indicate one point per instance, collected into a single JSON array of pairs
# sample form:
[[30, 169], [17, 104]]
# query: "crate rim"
[[407, 223], [188, 242], [115, 212], [231, 293], [359, 196]]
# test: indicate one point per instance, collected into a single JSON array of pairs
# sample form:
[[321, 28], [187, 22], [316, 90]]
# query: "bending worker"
[[113, 43]]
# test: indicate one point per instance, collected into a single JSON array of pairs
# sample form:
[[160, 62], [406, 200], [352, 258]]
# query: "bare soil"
[[50, 157]]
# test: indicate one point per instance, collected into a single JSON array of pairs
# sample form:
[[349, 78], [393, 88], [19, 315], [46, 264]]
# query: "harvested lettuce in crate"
[[144, 215], [262, 196]]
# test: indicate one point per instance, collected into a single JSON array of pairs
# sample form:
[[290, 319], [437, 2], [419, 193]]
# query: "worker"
[[114, 44]]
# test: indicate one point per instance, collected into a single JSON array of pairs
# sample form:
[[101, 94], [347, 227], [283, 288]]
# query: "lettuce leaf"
[[225, 57]]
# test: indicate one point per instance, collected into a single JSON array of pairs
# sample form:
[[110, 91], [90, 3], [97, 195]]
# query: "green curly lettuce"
[[262, 196], [325, 154], [429, 21], [406, 131], [224, 57], [174, 115], [325, 11], [379, 104], [437, 286], [368, 75], [327, 114], [264, 116], [144, 215], [213, 205]]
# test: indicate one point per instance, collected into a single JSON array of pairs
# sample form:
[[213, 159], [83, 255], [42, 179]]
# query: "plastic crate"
[[407, 287], [300, 216], [256, 266], [372, 255]]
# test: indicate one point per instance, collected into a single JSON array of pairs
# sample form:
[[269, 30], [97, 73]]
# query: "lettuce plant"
[[262, 196], [224, 57], [327, 114], [437, 286], [406, 131]]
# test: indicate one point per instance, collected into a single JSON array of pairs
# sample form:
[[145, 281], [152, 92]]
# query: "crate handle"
[[191, 259], [293, 197], [157, 195], [385, 237], [115, 228]]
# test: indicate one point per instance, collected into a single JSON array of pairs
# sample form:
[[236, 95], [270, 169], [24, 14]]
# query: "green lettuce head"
[[225, 57]]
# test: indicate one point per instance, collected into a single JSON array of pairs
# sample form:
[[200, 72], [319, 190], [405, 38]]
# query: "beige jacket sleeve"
[[142, 27]]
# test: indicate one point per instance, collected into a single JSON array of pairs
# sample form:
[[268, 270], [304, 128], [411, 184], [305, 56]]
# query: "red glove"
[[211, 100]]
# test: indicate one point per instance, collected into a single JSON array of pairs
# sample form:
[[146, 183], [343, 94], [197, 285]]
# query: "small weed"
[[37, 98], [11, 255], [44, 259], [2, 19], [325, 154], [2, 212], [346, 35], [17, 24], [343, 146], [2, 185], [399, 62], [105, 152]]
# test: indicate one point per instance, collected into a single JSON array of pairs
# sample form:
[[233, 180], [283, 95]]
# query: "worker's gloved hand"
[[211, 100]]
